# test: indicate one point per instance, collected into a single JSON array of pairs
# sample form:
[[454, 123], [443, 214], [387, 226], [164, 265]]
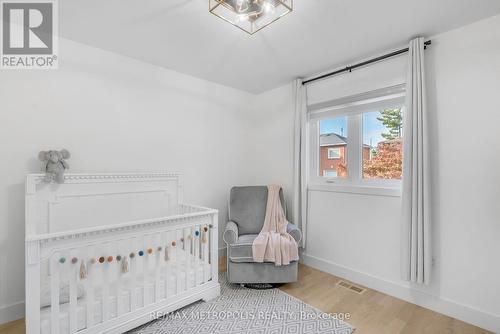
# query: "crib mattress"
[[142, 299]]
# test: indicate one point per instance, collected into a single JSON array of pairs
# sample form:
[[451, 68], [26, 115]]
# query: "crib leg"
[[211, 294], [33, 298]]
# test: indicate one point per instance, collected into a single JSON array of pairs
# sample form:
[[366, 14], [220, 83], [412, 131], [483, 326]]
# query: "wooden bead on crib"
[[174, 243], [74, 260], [101, 259], [62, 260], [141, 253], [205, 229], [110, 259], [132, 255], [118, 258], [150, 251]]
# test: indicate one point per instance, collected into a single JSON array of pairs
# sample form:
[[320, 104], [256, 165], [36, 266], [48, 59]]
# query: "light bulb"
[[241, 18], [268, 7], [241, 6]]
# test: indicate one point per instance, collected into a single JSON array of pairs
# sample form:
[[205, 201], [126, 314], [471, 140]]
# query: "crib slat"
[[145, 270], [197, 254], [72, 291], [105, 284], [119, 274], [205, 257], [54, 292], [157, 254], [187, 254], [167, 244], [144, 260], [177, 262], [133, 275], [89, 287]]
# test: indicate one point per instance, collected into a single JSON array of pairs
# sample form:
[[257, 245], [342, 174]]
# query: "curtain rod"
[[364, 63]]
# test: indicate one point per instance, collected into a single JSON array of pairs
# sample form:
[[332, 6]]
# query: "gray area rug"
[[247, 311]]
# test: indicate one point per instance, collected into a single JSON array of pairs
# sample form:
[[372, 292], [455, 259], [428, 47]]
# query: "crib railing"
[[100, 278]]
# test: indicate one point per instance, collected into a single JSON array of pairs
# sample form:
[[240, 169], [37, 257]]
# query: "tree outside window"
[[383, 130]]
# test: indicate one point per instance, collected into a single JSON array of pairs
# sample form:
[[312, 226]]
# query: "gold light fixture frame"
[[215, 6]]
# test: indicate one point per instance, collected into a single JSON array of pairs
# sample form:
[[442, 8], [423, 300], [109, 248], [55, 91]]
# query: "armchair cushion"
[[247, 208], [241, 250]]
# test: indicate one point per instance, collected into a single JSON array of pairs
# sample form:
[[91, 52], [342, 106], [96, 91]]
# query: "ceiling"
[[320, 34]]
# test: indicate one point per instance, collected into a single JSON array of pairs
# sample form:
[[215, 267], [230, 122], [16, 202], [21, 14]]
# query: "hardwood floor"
[[371, 312], [14, 327]]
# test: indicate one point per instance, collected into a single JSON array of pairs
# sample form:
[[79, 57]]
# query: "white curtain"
[[416, 229], [299, 212]]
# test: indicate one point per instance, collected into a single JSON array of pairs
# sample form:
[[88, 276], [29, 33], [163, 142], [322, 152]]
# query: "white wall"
[[464, 83], [357, 236], [114, 114], [273, 140]]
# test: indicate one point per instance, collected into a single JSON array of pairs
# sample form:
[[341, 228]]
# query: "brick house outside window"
[[333, 155]]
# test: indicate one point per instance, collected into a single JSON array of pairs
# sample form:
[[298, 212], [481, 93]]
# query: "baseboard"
[[407, 293], [11, 312]]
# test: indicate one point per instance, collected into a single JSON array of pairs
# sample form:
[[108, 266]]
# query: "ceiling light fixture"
[[250, 15]]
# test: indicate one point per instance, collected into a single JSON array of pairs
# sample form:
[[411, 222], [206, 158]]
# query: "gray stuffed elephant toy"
[[54, 164]]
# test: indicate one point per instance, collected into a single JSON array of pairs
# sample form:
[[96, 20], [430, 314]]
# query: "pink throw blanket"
[[274, 243]]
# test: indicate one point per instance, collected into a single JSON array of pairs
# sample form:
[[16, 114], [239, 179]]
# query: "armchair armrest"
[[294, 231], [230, 235]]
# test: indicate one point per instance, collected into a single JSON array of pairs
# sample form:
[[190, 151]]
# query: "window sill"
[[387, 191]]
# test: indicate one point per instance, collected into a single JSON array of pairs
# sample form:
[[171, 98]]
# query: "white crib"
[[109, 252]]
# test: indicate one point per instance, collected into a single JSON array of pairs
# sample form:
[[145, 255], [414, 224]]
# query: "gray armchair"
[[247, 210]]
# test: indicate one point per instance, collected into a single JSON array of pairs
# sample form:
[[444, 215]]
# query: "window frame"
[[352, 108], [334, 171], [333, 149]]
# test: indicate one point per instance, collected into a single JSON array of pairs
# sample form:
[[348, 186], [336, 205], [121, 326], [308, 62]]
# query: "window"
[[334, 153], [358, 141]]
